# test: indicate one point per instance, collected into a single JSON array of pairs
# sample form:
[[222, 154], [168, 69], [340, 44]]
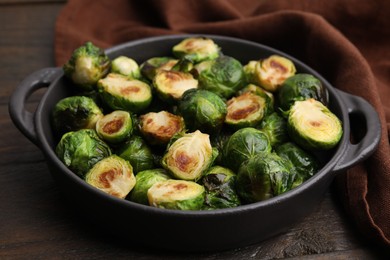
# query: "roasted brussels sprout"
[[269, 73], [170, 85], [145, 180], [113, 175], [75, 113], [151, 66], [189, 156], [138, 153], [220, 187], [87, 65], [223, 76], [263, 176], [196, 49], [245, 110], [202, 110], [115, 127], [159, 127], [176, 194], [244, 144], [301, 87], [268, 96], [305, 164], [122, 93], [313, 126], [81, 150], [126, 66], [275, 126]]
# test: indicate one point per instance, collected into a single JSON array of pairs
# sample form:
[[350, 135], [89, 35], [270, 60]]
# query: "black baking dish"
[[193, 230]]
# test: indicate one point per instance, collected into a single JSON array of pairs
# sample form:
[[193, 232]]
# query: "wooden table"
[[37, 222]]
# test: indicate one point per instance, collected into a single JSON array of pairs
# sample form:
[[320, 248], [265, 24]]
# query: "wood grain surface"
[[36, 222]]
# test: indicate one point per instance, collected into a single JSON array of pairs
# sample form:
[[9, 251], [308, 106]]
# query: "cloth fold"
[[347, 41]]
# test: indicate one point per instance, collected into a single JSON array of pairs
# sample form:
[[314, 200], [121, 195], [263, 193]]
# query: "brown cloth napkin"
[[347, 41]]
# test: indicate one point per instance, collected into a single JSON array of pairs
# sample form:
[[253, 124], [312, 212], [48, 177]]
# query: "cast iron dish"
[[193, 230]]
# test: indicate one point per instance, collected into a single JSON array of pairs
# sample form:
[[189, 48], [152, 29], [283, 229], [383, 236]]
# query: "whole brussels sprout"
[[202, 110], [75, 113], [121, 93], [245, 110], [304, 163], [81, 150], [159, 127], [223, 76], [263, 176], [137, 152], [87, 65], [176, 194], [220, 187], [301, 87], [275, 126], [126, 66], [113, 175], [115, 127], [189, 156], [196, 49], [244, 144], [269, 73], [170, 85], [150, 67], [313, 126], [145, 180]]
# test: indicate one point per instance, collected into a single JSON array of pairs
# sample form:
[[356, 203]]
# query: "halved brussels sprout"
[[158, 128], [202, 110], [151, 66], [170, 85], [245, 110], [113, 175], [275, 126], [81, 150], [268, 96], [304, 163], [126, 66], [220, 187], [138, 153], [75, 113], [122, 93], [269, 73], [301, 87], [196, 49], [176, 194], [223, 76], [189, 156], [115, 127], [313, 126], [244, 144], [87, 65], [145, 180], [263, 176]]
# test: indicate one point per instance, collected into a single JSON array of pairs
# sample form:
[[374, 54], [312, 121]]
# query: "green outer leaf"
[[224, 76], [74, 113], [138, 153], [144, 180], [81, 150], [301, 87], [263, 176], [202, 110], [244, 144]]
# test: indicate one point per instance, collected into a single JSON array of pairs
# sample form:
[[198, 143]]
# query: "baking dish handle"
[[23, 119], [360, 151]]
